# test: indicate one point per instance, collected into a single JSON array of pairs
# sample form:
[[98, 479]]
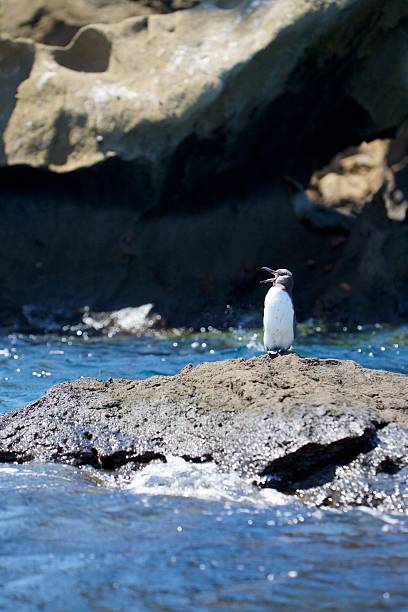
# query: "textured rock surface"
[[371, 277], [377, 479], [55, 22], [354, 176], [286, 419], [369, 281], [207, 70]]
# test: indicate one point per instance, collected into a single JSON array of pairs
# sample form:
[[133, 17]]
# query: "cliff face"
[[146, 157], [145, 88], [55, 22]]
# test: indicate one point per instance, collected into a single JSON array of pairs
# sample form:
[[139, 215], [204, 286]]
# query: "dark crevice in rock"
[[128, 184], [313, 465], [119, 458], [95, 458], [60, 34], [15, 457], [206, 458], [89, 52], [390, 465]]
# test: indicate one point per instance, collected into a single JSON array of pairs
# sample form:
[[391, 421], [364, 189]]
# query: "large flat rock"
[[286, 418]]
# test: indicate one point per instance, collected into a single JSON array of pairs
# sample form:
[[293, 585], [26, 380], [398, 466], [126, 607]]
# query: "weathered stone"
[[370, 280], [377, 479], [354, 176], [16, 61], [55, 22], [282, 422], [207, 70]]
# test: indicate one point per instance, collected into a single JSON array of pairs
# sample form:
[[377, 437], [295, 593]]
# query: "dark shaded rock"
[[314, 216], [377, 479], [281, 422], [188, 265], [16, 61], [370, 280]]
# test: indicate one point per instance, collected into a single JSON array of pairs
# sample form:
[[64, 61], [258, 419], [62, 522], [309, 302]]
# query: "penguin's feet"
[[277, 352]]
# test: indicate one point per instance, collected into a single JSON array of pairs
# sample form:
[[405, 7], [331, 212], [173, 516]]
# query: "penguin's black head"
[[280, 278]]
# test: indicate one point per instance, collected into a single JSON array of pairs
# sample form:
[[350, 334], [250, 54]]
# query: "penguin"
[[279, 313]]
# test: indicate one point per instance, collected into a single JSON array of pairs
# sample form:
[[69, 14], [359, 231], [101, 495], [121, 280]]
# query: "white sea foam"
[[180, 478]]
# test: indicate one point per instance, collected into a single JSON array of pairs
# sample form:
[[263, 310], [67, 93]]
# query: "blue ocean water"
[[182, 536]]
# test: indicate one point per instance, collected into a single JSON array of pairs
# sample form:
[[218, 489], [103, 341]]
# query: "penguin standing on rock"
[[279, 314]]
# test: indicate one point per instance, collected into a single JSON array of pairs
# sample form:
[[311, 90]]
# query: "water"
[[182, 536], [30, 364]]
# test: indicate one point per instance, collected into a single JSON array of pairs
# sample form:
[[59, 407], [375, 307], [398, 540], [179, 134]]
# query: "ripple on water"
[[69, 543]]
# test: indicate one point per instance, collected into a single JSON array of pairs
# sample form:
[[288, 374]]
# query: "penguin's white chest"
[[278, 320]]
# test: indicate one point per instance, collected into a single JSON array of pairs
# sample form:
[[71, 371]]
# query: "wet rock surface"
[[377, 478], [290, 423]]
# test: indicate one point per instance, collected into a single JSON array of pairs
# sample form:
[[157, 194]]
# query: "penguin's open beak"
[[273, 277]]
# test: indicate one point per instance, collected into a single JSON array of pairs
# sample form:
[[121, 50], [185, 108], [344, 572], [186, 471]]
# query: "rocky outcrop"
[[211, 77], [354, 176], [143, 162], [55, 22], [371, 275], [286, 422], [363, 192]]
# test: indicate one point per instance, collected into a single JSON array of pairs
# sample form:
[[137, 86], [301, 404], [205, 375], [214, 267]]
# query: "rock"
[[137, 321], [376, 479], [55, 22], [314, 216], [16, 61], [354, 176], [208, 80], [189, 265], [372, 267], [369, 281], [160, 143], [280, 422], [134, 321]]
